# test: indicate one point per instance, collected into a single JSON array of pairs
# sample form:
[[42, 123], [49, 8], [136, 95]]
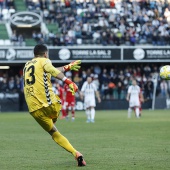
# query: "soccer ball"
[[165, 72]]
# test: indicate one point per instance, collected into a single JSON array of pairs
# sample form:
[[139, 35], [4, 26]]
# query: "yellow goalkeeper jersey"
[[37, 83]]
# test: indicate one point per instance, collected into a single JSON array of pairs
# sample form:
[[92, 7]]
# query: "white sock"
[[137, 112], [92, 113], [129, 112], [88, 114]]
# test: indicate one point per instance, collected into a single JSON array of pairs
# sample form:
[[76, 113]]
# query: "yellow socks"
[[63, 142]]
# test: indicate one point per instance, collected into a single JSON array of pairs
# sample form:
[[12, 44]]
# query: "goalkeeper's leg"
[[61, 140], [64, 143], [47, 124]]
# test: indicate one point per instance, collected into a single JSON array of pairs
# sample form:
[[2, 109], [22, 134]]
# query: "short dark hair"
[[40, 49]]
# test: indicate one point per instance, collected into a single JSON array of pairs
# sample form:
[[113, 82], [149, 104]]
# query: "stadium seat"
[[115, 30], [131, 24], [79, 41], [1, 42], [11, 11], [7, 42], [5, 14], [108, 10], [114, 11]]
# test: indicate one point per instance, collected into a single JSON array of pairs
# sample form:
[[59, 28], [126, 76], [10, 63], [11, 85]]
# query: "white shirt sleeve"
[[129, 89], [83, 87], [94, 86]]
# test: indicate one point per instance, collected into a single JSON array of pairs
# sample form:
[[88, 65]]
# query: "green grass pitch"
[[113, 142]]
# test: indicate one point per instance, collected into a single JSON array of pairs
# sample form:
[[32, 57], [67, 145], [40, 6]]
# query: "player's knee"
[[54, 120], [54, 129]]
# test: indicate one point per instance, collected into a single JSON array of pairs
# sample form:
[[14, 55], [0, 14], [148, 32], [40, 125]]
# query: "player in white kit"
[[133, 97], [88, 91]]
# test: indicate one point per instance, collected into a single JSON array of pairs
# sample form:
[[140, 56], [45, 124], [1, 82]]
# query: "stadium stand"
[[106, 22], [98, 22]]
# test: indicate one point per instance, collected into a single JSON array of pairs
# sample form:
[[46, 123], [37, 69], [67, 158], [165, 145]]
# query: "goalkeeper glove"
[[73, 87], [74, 65]]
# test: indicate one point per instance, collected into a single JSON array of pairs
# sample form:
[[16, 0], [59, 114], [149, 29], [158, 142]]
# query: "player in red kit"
[[141, 99], [69, 102], [61, 95], [59, 91]]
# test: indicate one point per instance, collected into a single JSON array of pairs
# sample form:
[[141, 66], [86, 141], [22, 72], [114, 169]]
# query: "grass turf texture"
[[113, 142]]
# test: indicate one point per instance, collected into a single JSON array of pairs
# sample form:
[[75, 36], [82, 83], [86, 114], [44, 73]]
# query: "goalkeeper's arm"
[[49, 68], [73, 66], [73, 87]]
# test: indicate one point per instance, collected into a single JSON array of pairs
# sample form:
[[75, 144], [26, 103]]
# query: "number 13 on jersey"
[[29, 79]]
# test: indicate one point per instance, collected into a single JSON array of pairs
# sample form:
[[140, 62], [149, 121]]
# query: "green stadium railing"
[[3, 32], [53, 27], [30, 42], [20, 5]]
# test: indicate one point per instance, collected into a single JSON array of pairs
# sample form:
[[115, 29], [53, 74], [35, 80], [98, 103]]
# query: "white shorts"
[[134, 103], [89, 102]]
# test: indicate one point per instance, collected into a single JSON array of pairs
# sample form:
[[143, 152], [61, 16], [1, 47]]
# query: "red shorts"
[[70, 103]]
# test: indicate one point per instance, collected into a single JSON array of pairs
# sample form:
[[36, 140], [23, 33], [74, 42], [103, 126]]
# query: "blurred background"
[[117, 40]]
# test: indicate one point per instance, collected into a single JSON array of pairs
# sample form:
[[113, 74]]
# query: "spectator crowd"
[[105, 22], [112, 82], [97, 22]]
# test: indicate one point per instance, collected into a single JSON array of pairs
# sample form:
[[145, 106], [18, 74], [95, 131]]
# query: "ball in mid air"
[[165, 72]]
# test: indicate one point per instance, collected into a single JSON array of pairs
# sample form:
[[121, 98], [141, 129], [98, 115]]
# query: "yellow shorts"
[[45, 115]]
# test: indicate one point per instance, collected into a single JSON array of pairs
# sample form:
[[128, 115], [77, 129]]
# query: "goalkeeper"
[[40, 98]]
